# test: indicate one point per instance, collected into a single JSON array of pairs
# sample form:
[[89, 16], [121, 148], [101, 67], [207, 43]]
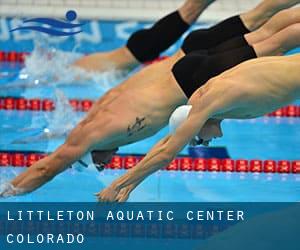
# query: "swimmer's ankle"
[[191, 9]]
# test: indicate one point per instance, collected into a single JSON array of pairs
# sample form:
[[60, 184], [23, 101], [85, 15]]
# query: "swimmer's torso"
[[143, 103], [154, 90]]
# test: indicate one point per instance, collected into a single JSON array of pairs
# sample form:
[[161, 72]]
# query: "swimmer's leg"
[[151, 41], [229, 34], [256, 17], [278, 22], [279, 43]]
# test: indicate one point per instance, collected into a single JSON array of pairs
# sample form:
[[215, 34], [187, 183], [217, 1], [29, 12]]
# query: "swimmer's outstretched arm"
[[164, 152], [81, 139], [159, 157], [43, 171]]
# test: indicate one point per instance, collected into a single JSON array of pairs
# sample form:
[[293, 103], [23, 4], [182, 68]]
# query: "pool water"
[[263, 138]]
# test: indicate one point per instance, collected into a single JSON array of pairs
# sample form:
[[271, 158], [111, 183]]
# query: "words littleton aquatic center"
[[120, 215], [110, 215]]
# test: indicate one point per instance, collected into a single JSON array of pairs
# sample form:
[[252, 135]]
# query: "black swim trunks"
[[205, 39], [195, 69]]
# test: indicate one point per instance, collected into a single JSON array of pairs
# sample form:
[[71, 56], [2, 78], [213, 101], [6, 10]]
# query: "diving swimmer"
[[136, 109], [276, 83]]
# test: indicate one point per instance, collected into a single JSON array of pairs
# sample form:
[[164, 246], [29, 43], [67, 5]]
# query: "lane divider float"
[[26, 159], [13, 56], [84, 105], [19, 57]]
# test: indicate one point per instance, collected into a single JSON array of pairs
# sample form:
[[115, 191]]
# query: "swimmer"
[[278, 22], [276, 83], [147, 44], [138, 108]]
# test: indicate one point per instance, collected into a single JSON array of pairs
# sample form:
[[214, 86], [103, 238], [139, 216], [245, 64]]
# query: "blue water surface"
[[263, 138]]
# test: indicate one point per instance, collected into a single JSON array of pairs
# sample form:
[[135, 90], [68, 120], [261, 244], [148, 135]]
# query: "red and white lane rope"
[[85, 105], [21, 159], [13, 56], [19, 57], [13, 103], [36, 104]]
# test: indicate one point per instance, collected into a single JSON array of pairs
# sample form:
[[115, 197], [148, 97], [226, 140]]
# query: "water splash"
[[8, 190], [63, 119], [58, 122], [48, 66]]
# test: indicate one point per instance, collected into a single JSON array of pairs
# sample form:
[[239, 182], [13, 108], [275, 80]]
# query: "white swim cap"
[[178, 117]]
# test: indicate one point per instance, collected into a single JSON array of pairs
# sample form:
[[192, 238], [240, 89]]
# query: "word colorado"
[[45, 239]]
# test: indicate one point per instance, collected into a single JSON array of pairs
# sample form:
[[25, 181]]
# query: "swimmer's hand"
[[124, 194], [8, 190], [109, 194]]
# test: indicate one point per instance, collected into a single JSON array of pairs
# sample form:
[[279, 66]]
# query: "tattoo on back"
[[137, 126]]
